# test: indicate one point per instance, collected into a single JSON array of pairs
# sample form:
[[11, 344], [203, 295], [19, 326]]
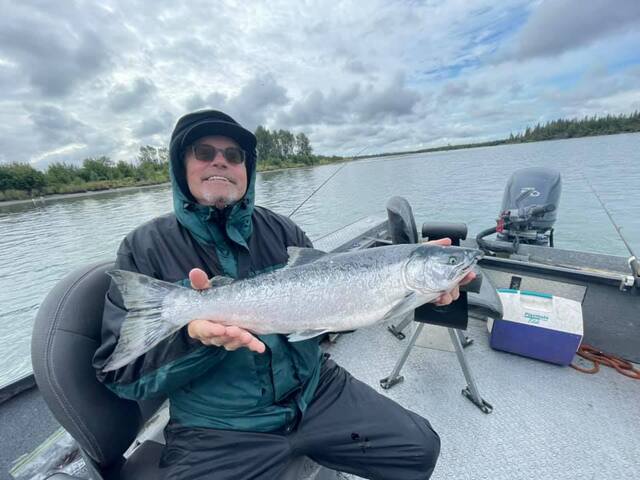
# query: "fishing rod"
[[326, 181], [634, 264]]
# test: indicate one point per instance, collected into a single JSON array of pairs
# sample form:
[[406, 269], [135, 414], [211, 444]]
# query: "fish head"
[[435, 268]]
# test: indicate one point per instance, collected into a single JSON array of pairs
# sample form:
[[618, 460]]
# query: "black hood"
[[200, 124]]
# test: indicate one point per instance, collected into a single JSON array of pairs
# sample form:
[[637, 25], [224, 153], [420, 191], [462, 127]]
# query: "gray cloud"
[[317, 107], [395, 100], [353, 103], [54, 125], [11, 82], [256, 99], [128, 97], [156, 125], [355, 66], [251, 105], [147, 127], [561, 25], [49, 51], [456, 90], [598, 80], [47, 133], [214, 100], [346, 134]]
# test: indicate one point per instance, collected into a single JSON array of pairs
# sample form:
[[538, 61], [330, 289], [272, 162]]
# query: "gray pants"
[[347, 427]]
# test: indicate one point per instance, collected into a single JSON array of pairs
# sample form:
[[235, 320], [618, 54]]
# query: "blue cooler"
[[538, 325]]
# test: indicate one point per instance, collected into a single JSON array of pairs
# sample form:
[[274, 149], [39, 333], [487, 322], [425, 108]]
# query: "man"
[[242, 406]]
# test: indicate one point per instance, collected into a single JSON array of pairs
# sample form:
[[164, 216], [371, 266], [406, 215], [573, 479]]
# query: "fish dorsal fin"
[[220, 280], [301, 256]]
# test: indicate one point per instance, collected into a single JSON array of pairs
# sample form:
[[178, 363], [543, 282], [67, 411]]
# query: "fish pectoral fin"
[[220, 280], [409, 303], [305, 335], [302, 256]]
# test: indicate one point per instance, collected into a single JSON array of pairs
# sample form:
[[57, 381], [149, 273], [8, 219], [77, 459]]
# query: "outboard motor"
[[529, 211]]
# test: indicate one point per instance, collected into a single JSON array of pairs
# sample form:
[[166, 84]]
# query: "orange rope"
[[597, 357]]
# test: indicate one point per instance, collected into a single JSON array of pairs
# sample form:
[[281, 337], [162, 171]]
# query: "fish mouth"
[[477, 255], [471, 259]]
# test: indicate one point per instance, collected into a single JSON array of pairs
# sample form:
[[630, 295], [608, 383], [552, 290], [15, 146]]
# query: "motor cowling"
[[530, 206]]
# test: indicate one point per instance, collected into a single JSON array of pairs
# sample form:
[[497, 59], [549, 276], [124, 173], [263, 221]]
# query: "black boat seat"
[[402, 223], [482, 297], [65, 337], [66, 334]]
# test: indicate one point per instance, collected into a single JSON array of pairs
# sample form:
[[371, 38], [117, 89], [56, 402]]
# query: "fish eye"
[[453, 260]]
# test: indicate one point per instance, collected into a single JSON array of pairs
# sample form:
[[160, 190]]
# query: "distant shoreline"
[[60, 196], [46, 198], [492, 143]]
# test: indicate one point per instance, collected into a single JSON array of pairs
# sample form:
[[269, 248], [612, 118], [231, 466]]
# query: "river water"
[[39, 245]]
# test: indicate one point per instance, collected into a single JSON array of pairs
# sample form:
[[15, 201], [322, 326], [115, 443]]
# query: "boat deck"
[[547, 421]]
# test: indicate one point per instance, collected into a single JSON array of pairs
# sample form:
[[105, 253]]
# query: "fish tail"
[[144, 326]]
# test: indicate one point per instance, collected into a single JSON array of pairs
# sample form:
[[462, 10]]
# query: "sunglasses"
[[206, 153]]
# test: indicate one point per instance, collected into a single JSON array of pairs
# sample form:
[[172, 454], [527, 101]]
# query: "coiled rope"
[[598, 357]]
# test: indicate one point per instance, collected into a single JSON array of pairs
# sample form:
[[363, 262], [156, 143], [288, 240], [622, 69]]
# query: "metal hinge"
[[627, 282]]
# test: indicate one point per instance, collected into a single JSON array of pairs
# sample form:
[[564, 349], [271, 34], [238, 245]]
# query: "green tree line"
[[585, 127], [19, 181], [283, 149]]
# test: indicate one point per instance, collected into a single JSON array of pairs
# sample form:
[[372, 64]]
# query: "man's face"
[[215, 182]]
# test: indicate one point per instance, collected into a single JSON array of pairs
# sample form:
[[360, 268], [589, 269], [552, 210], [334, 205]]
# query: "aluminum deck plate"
[[548, 422]]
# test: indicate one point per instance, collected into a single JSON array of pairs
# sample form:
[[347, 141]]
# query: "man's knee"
[[419, 455], [428, 443]]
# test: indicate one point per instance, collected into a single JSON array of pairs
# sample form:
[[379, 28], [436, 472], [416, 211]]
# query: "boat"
[[499, 414]]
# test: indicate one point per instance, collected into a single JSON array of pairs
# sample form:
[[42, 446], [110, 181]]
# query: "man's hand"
[[211, 333], [453, 294]]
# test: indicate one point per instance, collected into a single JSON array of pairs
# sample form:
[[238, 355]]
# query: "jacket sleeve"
[[171, 364], [301, 238]]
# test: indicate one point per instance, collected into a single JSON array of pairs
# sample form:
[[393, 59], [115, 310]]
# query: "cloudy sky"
[[85, 78]]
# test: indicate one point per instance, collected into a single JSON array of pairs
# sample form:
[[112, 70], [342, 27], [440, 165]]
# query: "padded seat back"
[[65, 337], [402, 224]]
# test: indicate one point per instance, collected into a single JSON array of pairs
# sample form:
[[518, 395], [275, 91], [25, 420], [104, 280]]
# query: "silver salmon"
[[313, 294]]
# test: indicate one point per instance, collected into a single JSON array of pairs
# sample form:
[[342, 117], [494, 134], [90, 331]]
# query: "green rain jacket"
[[208, 386]]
